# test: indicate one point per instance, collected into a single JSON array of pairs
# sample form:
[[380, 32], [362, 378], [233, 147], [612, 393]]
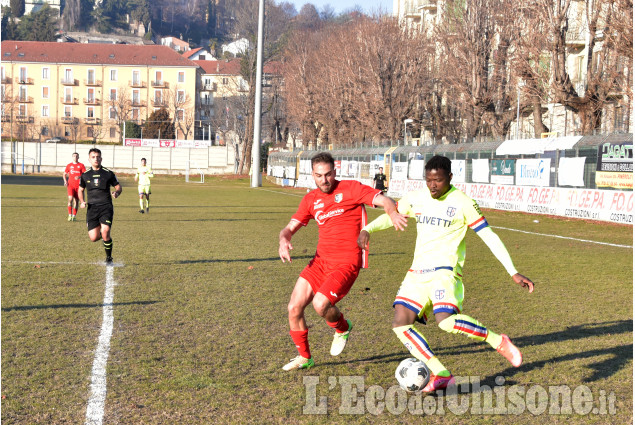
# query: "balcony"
[[91, 82], [6, 80], [161, 84], [92, 101], [137, 84], [6, 99], [210, 87], [24, 119], [68, 82], [92, 121], [24, 80], [67, 100], [137, 103], [159, 103], [6, 118], [25, 99], [69, 120]]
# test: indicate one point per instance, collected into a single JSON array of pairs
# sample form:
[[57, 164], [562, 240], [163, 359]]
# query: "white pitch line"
[[97, 401], [564, 237]]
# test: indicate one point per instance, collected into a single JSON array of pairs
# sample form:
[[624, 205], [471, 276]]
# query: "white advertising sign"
[[533, 172], [399, 170], [458, 170], [480, 170], [571, 171]]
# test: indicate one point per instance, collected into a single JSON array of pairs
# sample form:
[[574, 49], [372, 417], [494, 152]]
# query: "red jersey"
[[74, 172], [340, 216]]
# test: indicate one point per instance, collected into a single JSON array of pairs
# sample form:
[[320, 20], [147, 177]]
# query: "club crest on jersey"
[[439, 294], [338, 197], [96, 182], [451, 211]]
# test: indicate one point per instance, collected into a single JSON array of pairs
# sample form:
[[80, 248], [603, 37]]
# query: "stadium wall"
[[582, 177], [35, 157]]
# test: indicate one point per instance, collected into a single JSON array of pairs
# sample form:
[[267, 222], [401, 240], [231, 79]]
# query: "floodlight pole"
[[255, 148]]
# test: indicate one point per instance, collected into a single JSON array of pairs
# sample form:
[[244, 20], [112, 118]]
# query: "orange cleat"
[[438, 383], [510, 351]]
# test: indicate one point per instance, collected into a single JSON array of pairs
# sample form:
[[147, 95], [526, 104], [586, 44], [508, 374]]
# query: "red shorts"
[[332, 280], [72, 190]]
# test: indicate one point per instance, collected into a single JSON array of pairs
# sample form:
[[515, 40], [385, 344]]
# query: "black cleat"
[[148, 210], [108, 260], [141, 211]]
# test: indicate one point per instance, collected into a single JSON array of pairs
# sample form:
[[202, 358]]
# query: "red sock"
[[301, 341], [74, 211], [70, 210], [340, 326]]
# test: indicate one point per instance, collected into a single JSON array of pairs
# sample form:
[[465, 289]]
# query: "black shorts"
[[99, 214]]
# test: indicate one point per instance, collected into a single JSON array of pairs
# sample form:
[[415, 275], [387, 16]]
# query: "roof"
[[192, 52], [97, 54], [232, 67]]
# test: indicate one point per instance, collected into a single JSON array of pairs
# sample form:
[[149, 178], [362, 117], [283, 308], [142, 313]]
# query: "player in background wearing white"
[[144, 173], [434, 284], [71, 177]]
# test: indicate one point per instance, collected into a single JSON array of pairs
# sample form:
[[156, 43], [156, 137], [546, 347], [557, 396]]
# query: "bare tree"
[[119, 106], [179, 102]]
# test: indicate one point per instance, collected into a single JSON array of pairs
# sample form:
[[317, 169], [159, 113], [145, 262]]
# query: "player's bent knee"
[[321, 305], [295, 310]]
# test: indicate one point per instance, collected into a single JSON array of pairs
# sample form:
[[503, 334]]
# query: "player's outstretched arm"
[[285, 240], [399, 221], [524, 281]]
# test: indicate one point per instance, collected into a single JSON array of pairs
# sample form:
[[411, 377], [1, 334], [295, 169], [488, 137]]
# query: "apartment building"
[[218, 79], [85, 91]]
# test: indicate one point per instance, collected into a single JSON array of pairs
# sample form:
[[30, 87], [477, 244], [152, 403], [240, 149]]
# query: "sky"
[[369, 6]]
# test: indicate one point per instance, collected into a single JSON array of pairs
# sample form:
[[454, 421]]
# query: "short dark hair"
[[439, 162], [143, 159], [75, 153], [323, 157], [94, 150]]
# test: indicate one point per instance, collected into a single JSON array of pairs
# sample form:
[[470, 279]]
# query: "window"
[[136, 79], [158, 78], [158, 97], [136, 97], [68, 75], [45, 92], [180, 96], [225, 80], [45, 73], [113, 94], [113, 132], [23, 94], [90, 79], [181, 78], [68, 94], [90, 112], [90, 95], [89, 132], [45, 110], [113, 113], [68, 111], [22, 111], [179, 115], [67, 131], [113, 75], [135, 114], [22, 75]]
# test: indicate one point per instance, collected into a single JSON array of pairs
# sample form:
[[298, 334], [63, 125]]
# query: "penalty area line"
[[97, 400], [563, 237]]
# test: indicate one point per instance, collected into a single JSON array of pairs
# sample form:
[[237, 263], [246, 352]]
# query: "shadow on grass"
[[248, 260], [41, 307]]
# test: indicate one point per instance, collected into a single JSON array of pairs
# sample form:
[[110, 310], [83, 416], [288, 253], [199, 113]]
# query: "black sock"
[[108, 248]]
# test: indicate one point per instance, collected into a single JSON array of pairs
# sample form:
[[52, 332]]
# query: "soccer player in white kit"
[[433, 284]]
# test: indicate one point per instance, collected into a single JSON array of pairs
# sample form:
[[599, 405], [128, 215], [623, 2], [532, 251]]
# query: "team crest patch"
[[451, 211], [439, 294], [338, 197]]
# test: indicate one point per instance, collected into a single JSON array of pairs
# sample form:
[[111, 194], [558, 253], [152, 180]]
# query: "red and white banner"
[[167, 143], [592, 204]]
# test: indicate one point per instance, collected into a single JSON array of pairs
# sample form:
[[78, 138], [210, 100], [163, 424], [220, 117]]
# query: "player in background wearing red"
[[338, 209], [71, 176]]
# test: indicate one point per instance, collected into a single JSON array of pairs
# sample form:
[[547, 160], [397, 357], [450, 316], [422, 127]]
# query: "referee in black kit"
[[97, 182]]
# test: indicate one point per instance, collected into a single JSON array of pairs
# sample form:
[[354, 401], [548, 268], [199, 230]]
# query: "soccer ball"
[[412, 374]]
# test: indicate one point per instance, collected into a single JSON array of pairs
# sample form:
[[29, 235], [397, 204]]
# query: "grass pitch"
[[200, 329]]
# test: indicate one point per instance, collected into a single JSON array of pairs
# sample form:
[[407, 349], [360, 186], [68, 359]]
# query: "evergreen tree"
[[133, 130], [39, 26], [159, 125], [211, 18], [9, 26], [17, 8]]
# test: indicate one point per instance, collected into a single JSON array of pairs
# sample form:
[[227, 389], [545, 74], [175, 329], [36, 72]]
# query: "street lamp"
[[405, 128], [520, 84]]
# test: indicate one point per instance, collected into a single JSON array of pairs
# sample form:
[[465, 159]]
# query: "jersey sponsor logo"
[[321, 216], [333, 294], [339, 197], [318, 204], [433, 221], [439, 294], [451, 211]]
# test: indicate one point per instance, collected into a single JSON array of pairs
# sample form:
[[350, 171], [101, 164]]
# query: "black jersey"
[[97, 185]]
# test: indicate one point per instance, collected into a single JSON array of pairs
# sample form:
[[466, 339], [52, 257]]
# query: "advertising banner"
[[503, 171], [571, 171], [417, 169], [480, 170], [167, 143], [458, 170], [615, 165], [533, 172], [591, 204], [399, 170]]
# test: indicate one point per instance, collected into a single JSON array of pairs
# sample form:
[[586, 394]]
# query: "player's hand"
[[523, 281], [283, 250], [82, 204], [363, 239], [399, 221], [115, 194], [65, 183]]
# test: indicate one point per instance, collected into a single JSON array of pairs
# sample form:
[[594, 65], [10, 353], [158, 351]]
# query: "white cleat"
[[339, 340], [299, 363]]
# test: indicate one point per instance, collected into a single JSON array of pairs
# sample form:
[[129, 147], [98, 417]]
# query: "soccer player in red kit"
[[338, 209], [71, 176]]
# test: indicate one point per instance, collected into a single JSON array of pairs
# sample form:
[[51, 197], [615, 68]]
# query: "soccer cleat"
[[299, 363], [438, 383], [109, 260], [70, 218], [510, 351], [148, 210], [73, 218], [141, 211], [339, 340]]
